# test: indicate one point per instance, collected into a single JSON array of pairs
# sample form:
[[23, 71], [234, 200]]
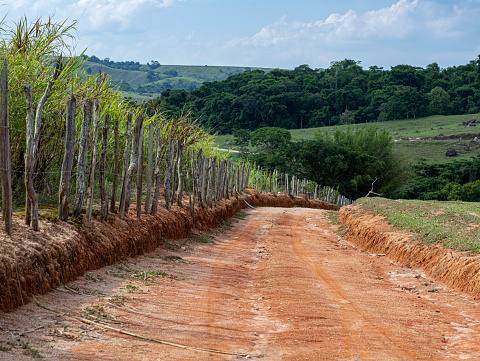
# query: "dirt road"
[[278, 284]]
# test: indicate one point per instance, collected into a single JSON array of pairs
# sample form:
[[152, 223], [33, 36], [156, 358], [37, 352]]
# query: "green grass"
[[414, 138], [453, 225]]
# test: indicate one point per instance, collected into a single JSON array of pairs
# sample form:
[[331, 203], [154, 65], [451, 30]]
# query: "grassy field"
[[451, 224], [422, 139]]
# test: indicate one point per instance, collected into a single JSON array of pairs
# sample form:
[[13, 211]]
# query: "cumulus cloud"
[[121, 13], [394, 21], [94, 14], [411, 22]]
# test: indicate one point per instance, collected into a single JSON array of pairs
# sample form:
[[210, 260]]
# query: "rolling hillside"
[[145, 82]]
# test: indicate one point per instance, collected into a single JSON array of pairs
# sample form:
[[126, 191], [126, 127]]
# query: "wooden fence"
[[166, 164]]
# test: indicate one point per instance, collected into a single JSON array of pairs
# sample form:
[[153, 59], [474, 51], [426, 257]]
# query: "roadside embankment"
[[459, 270], [36, 262]]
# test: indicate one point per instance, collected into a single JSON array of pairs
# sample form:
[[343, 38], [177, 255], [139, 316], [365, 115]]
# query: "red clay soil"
[[278, 283], [457, 269], [37, 262]]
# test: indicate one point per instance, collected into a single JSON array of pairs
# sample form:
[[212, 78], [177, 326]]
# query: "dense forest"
[[345, 93]]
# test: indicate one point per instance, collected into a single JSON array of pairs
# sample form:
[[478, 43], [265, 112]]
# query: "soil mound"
[[456, 269], [36, 262]]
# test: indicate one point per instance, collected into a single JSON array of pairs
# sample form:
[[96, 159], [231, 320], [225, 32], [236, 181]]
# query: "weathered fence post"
[[133, 159], [148, 194], [103, 167], [168, 175], [5, 170], [180, 172], [198, 177], [126, 154], [96, 122], [140, 174], [194, 186], [158, 160], [82, 157], [33, 145], [115, 167], [31, 196], [68, 156]]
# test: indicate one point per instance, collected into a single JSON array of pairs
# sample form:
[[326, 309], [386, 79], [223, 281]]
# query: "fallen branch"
[[125, 332], [245, 201], [372, 192]]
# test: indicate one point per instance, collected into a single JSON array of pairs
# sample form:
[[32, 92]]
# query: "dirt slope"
[[280, 284]]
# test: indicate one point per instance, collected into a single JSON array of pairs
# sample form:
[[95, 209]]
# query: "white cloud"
[[392, 22], [119, 13], [396, 32]]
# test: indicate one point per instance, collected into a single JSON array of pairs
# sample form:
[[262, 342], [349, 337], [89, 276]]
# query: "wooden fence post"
[[198, 177], [194, 185], [5, 170], [96, 122], [33, 145], [137, 128], [82, 157], [31, 196], [158, 160], [180, 172], [148, 194], [168, 175], [140, 173], [115, 167], [103, 167], [68, 156], [126, 154]]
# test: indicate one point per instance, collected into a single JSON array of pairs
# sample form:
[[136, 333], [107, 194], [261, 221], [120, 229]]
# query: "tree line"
[[345, 93]]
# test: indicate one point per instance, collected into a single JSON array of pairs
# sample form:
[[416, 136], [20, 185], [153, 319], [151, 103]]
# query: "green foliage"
[[385, 167], [349, 160], [453, 181], [242, 137], [269, 138], [439, 101], [305, 97]]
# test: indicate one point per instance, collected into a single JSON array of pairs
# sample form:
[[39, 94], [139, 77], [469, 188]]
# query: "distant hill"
[[147, 81]]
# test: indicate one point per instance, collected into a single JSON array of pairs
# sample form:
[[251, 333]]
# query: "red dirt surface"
[[280, 284]]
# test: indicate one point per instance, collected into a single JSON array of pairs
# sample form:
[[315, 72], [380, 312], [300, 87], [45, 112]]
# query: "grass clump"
[[454, 225], [201, 238]]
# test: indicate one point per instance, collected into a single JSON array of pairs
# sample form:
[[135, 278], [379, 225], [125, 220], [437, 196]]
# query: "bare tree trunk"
[[68, 156], [115, 167], [82, 157]]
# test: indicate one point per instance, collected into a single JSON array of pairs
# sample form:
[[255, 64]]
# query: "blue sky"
[[268, 33]]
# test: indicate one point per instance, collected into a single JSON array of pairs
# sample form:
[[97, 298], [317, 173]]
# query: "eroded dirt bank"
[[37, 262], [456, 269], [278, 283]]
